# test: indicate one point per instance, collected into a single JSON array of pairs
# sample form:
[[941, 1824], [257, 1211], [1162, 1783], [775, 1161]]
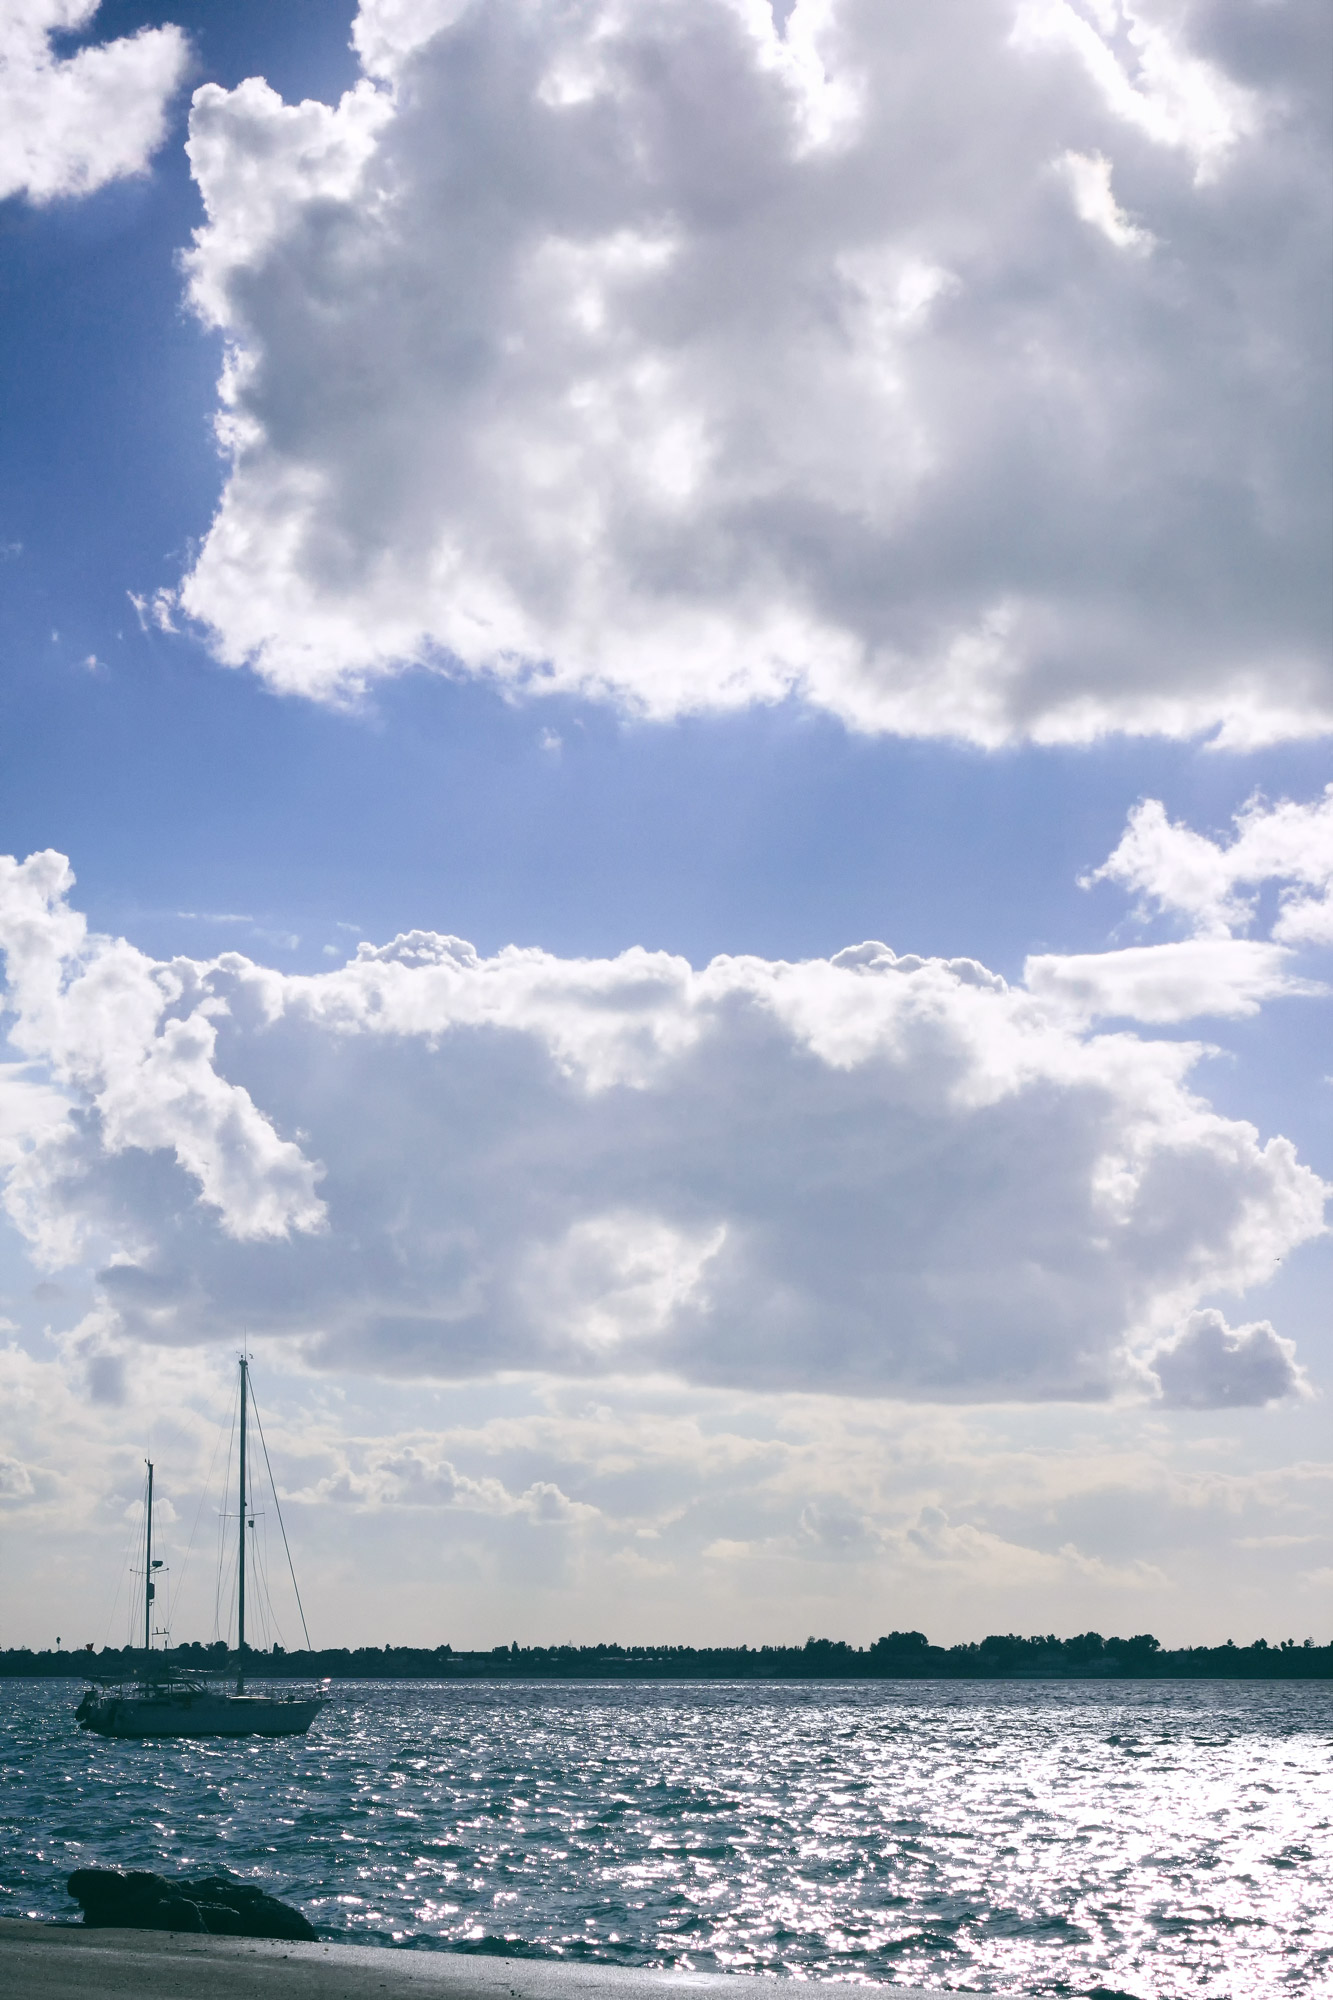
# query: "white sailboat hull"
[[187, 1713]]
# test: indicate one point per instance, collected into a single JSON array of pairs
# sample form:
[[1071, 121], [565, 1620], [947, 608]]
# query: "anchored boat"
[[161, 1700]]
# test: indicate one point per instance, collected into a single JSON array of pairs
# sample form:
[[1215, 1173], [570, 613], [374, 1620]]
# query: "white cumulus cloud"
[[957, 369], [1217, 887], [873, 1174], [69, 124], [1213, 1366], [127, 1048], [1214, 884]]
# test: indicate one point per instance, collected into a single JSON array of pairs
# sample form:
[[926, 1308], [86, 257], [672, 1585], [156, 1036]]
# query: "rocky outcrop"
[[140, 1901]]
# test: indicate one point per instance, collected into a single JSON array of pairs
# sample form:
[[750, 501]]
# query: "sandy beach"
[[65, 1962]]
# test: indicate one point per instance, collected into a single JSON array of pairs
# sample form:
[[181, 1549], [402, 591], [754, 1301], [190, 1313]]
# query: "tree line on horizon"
[[896, 1656]]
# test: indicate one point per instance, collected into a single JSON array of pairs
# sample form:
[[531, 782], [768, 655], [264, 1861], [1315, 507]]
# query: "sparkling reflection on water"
[[1156, 1840]]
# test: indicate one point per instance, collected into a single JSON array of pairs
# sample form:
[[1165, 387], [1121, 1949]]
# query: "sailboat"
[[162, 1700]]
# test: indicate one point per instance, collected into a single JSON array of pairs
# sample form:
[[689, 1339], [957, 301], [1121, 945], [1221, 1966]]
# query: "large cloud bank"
[[956, 368], [874, 1173], [70, 124]]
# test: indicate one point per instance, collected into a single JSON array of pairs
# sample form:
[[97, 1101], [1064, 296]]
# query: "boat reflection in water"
[[161, 1700]]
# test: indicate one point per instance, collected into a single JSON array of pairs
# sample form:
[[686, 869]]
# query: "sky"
[[667, 814]]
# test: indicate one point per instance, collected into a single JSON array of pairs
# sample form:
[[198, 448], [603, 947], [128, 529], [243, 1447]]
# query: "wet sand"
[[65, 1962]]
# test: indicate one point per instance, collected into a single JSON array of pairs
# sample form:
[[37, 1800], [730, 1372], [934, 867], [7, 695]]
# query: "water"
[[1155, 1840]]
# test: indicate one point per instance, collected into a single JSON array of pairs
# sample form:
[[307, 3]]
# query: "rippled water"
[[1156, 1840]]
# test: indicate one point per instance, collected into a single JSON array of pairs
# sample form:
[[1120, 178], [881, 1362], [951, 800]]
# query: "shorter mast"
[[240, 1560], [148, 1565]]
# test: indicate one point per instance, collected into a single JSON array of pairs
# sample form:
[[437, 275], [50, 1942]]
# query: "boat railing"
[[175, 1684]]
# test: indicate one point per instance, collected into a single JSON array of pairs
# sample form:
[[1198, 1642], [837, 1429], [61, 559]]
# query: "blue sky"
[[875, 621]]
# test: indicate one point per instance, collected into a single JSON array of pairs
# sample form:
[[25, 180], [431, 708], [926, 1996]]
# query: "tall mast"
[[240, 1567], [148, 1565]]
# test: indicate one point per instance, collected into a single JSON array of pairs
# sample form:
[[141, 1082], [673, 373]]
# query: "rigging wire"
[[115, 1598], [135, 1605], [220, 1570], [267, 1610], [199, 1511], [227, 1592], [275, 1621], [259, 1422]]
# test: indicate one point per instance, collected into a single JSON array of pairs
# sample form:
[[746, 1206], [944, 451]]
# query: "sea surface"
[[1145, 1839]]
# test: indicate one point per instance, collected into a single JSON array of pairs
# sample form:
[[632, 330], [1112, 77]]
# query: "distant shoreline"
[[900, 1657]]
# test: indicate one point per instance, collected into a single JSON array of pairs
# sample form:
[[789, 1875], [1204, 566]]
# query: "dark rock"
[[141, 1901], [168, 1913], [220, 1921], [252, 1911]]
